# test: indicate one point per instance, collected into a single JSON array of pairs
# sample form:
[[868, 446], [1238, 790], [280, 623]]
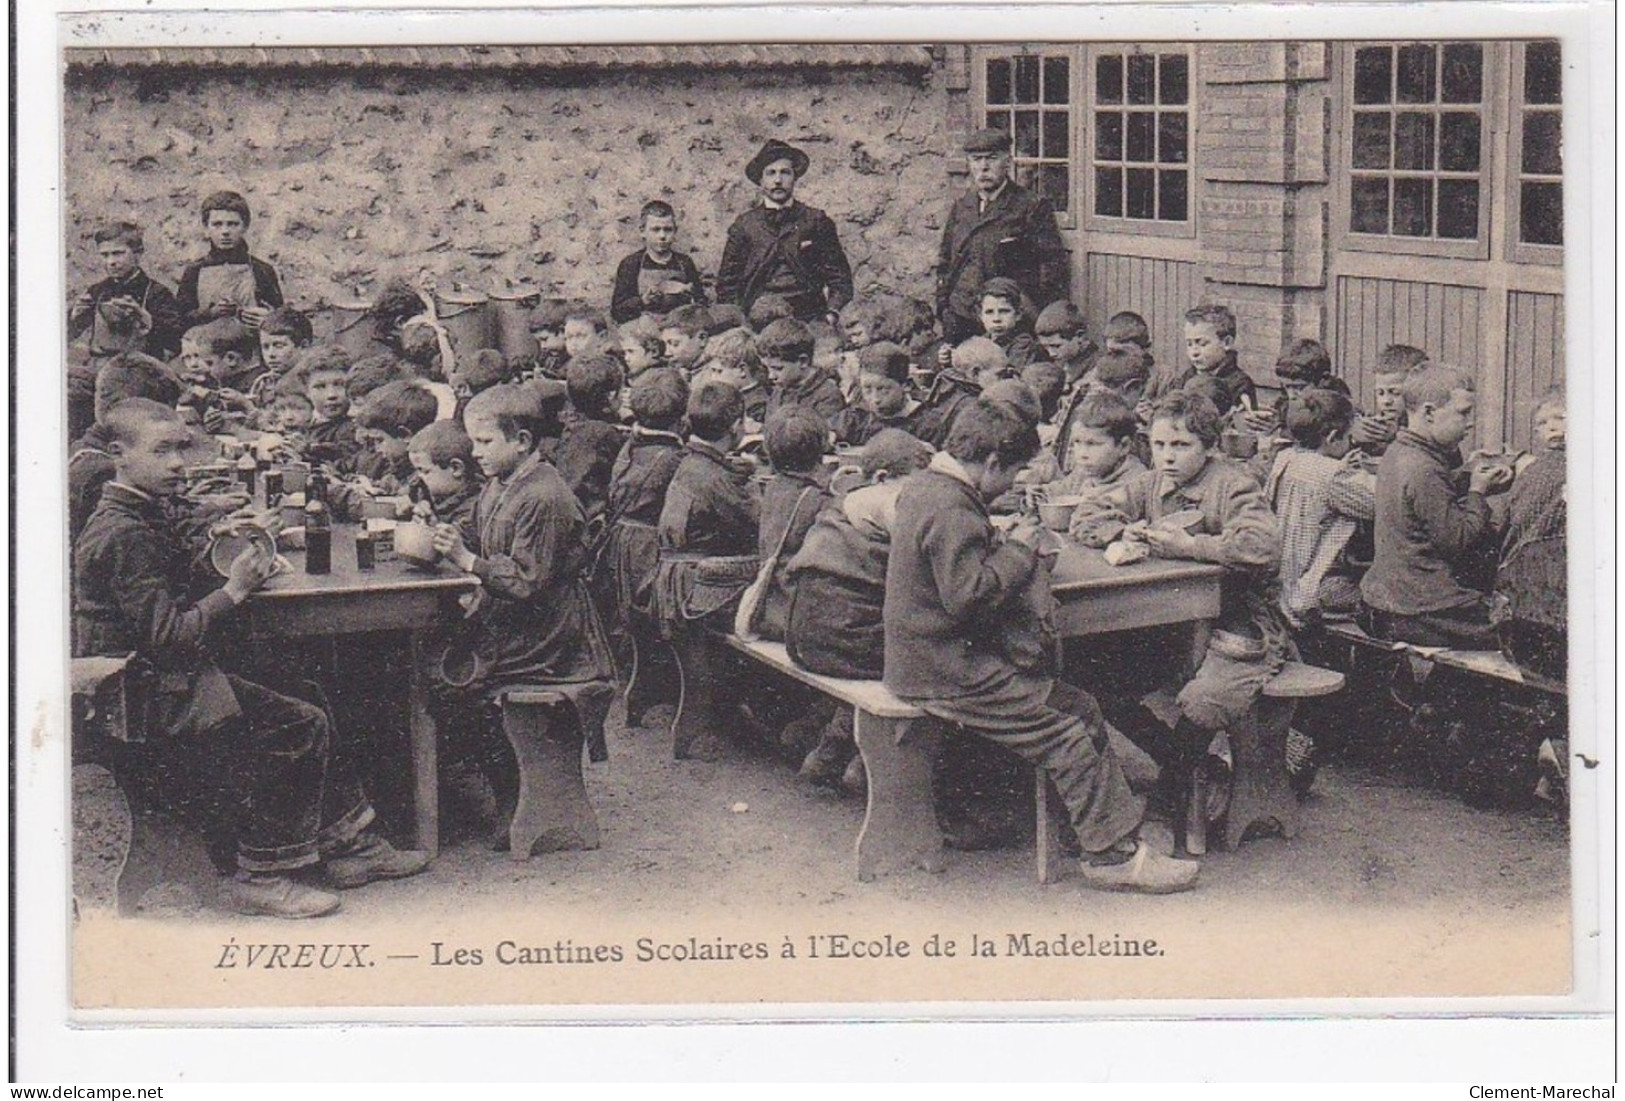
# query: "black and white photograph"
[[577, 525]]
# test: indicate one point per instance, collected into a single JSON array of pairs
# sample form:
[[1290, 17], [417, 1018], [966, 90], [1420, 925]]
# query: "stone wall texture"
[[492, 177]]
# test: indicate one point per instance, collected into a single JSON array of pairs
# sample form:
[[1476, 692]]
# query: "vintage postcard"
[[549, 518]]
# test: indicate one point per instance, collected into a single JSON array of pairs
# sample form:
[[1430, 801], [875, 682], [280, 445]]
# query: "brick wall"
[[497, 175]]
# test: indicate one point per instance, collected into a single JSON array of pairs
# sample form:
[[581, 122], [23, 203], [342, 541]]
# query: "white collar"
[[944, 463], [771, 205], [130, 489], [989, 200]]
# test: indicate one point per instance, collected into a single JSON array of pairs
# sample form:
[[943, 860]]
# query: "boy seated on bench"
[[1426, 531], [302, 803], [532, 621], [1533, 573], [951, 583]]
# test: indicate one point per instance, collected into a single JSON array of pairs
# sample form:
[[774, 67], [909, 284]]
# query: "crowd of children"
[[648, 462]]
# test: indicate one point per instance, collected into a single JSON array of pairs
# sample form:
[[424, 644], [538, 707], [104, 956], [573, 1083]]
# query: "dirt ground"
[[1388, 889]]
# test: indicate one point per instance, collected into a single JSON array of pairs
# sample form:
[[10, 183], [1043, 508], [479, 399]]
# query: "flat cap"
[[988, 141]]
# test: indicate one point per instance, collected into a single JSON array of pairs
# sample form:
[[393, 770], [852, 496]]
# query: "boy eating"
[[302, 803], [883, 373], [1210, 346], [445, 477], [126, 290], [1100, 454], [656, 278], [227, 282], [1373, 432], [283, 335], [786, 351]]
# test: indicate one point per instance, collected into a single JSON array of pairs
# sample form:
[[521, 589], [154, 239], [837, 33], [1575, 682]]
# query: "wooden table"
[[1096, 597], [392, 597]]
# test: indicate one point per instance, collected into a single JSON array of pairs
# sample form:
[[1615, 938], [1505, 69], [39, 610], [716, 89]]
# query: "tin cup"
[[365, 551]]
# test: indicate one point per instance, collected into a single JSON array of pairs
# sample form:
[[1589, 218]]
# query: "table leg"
[[425, 763]]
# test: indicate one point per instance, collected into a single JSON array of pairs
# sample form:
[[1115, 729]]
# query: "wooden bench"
[[900, 828], [552, 813], [1260, 789], [1484, 663]]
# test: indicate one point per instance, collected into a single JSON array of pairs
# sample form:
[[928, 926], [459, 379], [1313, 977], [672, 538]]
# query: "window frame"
[[1084, 156], [1518, 251], [1476, 248], [979, 106]]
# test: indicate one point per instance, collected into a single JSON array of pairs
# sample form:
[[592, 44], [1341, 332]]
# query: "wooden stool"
[[1261, 791], [552, 813]]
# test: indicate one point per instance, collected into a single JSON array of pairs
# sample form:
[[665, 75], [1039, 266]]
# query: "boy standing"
[[130, 290], [948, 580], [656, 278], [1424, 529], [227, 282], [131, 580]]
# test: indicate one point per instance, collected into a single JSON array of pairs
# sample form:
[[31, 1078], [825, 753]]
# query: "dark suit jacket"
[[626, 303], [802, 238], [164, 340], [1015, 238]]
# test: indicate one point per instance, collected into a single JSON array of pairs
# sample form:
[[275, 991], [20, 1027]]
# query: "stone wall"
[[492, 176]]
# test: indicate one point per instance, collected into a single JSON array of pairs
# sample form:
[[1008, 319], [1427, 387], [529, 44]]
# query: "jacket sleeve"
[[832, 266], [1452, 526], [1353, 493], [972, 576], [266, 284], [734, 268], [186, 296], [624, 301], [168, 322], [541, 538], [1248, 537], [1049, 252], [159, 618], [1100, 520]]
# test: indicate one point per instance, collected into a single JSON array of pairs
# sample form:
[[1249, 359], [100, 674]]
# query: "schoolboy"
[[1532, 576], [949, 578], [786, 351], [1236, 530], [711, 507], [1062, 333], [288, 414], [584, 331], [323, 370], [390, 417], [592, 437], [883, 375], [1303, 365], [1210, 347], [974, 363], [796, 440], [1320, 501], [484, 369], [1425, 530], [685, 332], [547, 329], [641, 347], [446, 480], [221, 366], [534, 622], [302, 802], [1374, 431], [1100, 453], [90, 457], [768, 309], [227, 282], [731, 357], [656, 278], [283, 335], [1006, 320], [837, 583], [127, 289]]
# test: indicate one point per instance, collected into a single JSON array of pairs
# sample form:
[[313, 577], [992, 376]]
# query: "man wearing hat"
[[997, 227], [782, 246]]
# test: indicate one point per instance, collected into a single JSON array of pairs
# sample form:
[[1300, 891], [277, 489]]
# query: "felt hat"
[[776, 150], [988, 141]]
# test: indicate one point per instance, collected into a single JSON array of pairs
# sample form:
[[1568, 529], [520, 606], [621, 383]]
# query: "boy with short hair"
[[795, 439], [90, 460], [1424, 528], [1374, 431], [592, 436], [768, 309], [302, 802], [711, 506], [1100, 452], [220, 368], [883, 375], [1210, 346], [524, 541], [1320, 501], [1064, 336], [227, 281], [547, 329], [971, 365], [481, 371], [1532, 577], [685, 332], [385, 425], [446, 480], [641, 347], [1235, 529], [127, 290], [1006, 315], [584, 330], [283, 334], [731, 357], [657, 278], [949, 579], [786, 351], [330, 438]]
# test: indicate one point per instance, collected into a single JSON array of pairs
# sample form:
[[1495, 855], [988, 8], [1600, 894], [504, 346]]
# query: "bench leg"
[[553, 813], [900, 828], [425, 756], [649, 683], [1050, 856], [1263, 791], [103, 830], [693, 728]]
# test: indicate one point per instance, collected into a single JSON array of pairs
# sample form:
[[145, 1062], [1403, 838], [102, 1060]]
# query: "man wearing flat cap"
[[997, 227], [782, 246]]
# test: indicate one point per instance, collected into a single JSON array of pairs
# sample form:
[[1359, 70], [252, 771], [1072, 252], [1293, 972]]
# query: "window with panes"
[[1029, 97], [1140, 155], [1537, 122]]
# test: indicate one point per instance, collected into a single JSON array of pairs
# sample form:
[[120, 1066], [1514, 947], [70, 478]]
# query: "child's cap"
[[1060, 318], [884, 358], [894, 451], [1018, 396]]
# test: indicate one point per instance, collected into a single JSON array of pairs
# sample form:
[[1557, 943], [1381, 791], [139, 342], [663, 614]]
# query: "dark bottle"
[[273, 488], [366, 556], [246, 471], [318, 538], [316, 487]]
